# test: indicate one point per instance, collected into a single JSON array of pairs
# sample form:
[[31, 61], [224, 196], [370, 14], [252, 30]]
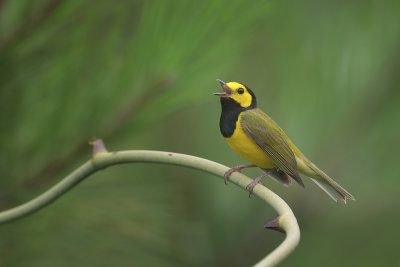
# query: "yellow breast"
[[247, 148]]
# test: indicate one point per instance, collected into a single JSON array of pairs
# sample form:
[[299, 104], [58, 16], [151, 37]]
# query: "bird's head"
[[240, 93]]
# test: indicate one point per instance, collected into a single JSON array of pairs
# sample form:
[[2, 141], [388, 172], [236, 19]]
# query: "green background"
[[140, 75]]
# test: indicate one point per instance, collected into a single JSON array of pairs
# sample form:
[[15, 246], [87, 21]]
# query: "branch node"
[[274, 225], [98, 146]]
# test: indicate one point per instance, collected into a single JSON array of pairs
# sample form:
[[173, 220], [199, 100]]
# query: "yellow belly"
[[247, 148]]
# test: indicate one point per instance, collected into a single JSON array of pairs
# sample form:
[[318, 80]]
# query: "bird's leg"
[[236, 169], [256, 181]]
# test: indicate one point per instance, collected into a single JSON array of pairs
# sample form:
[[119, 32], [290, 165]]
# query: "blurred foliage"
[[140, 75]]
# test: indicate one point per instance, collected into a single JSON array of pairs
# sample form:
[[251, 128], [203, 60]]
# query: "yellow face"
[[240, 94]]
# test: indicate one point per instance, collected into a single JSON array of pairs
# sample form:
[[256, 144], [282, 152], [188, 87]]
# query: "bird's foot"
[[235, 169], [255, 182]]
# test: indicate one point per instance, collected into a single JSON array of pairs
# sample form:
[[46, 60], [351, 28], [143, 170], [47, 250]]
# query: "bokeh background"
[[140, 75]]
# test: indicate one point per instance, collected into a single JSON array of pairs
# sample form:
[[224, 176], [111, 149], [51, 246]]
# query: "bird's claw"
[[228, 173], [251, 185]]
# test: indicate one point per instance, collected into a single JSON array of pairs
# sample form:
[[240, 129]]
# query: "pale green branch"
[[286, 221]]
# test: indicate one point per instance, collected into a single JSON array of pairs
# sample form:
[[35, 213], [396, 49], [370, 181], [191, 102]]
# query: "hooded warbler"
[[256, 137]]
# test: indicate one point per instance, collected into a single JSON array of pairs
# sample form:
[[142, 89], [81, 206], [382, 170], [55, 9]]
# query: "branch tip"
[[274, 225]]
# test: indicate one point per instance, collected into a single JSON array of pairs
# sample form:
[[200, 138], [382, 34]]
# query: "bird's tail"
[[326, 183]]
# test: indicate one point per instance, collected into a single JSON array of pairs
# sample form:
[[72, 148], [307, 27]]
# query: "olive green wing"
[[267, 134]]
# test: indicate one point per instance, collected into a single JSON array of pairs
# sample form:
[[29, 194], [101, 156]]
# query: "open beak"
[[227, 91]]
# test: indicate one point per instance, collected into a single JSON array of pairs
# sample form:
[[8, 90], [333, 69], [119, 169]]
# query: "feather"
[[272, 140], [326, 183], [280, 177]]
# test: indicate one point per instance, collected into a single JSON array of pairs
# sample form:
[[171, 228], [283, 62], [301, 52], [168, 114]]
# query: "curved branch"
[[286, 222]]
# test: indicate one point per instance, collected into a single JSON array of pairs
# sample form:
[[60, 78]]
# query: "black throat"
[[230, 114]]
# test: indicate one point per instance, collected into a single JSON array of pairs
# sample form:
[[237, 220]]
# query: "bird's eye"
[[240, 91]]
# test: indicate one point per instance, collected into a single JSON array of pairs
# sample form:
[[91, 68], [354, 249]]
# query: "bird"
[[256, 137]]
